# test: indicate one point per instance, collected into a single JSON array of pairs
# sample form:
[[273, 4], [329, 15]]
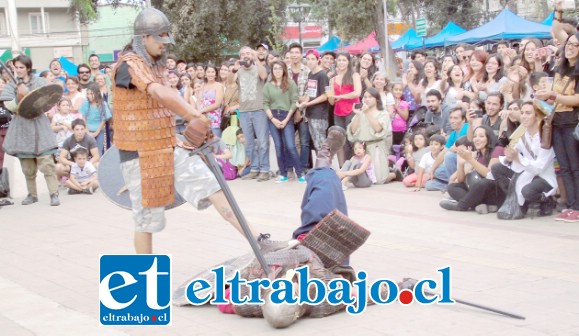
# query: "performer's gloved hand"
[[21, 91], [198, 131]]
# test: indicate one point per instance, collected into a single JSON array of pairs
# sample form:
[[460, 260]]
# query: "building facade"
[[46, 28]]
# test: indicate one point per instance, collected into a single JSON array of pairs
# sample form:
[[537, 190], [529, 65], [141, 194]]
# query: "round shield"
[[40, 100], [112, 183]]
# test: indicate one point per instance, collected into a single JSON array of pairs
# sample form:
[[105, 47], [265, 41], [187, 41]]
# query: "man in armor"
[[30, 139], [153, 163]]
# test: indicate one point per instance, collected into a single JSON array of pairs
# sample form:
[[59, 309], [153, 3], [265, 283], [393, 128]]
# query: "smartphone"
[[545, 52], [476, 114], [358, 106]]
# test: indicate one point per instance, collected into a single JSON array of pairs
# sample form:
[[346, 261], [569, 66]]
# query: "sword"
[[214, 167], [476, 305]]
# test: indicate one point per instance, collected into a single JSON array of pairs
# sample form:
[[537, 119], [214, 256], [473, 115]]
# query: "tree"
[[205, 29], [466, 14]]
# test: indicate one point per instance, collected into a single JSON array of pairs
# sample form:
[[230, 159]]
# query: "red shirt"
[[343, 107]]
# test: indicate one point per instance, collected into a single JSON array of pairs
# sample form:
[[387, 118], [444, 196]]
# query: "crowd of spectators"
[[471, 123]]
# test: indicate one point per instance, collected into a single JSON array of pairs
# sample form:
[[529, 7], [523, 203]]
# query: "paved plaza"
[[49, 256]]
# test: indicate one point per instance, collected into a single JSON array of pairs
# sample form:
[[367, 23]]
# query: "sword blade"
[[479, 306], [214, 167]]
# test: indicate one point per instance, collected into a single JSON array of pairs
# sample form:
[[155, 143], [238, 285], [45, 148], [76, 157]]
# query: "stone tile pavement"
[[49, 257]]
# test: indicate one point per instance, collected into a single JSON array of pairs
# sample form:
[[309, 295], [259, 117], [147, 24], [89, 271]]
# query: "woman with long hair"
[[453, 88], [530, 58], [366, 67], [96, 112], [566, 114], [537, 180], [210, 98], [371, 125], [381, 83], [493, 78], [412, 88], [74, 93], [279, 97], [101, 81], [431, 80], [231, 97], [475, 79], [472, 193], [347, 87]]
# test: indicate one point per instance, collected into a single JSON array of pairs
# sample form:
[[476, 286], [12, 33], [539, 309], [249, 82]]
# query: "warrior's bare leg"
[[143, 242], [222, 205]]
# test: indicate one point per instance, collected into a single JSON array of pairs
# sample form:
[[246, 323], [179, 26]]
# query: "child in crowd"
[[61, 121], [239, 159], [83, 177], [539, 81], [359, 170], [437, 143], [414, 153]]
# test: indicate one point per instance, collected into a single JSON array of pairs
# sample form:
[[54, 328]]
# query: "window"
[[36, 23], [3, 27]]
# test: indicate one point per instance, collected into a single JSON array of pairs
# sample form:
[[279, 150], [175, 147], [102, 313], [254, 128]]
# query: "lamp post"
[[298, 13]]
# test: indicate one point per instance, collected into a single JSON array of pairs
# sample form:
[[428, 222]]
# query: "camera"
[[246, 64], [544, 52]]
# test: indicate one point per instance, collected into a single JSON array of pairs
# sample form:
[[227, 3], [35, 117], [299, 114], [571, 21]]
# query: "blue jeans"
[[285, 146], [567, 153], [100, 140], [255, 128], [304, 158], [450, 163], [440, 180]]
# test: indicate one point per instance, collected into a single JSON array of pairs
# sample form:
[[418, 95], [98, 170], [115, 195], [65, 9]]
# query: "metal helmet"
[[152, 21]]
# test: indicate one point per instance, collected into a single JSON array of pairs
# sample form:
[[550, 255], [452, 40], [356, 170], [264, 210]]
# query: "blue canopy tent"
[[549, 19], [332, 44], [506, 26], [451, 29], [408, 37]]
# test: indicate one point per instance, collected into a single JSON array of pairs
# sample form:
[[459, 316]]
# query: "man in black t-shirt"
[[317, 105], [78, 139]]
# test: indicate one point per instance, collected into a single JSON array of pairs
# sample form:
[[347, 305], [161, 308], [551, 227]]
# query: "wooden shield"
[[40, 100]]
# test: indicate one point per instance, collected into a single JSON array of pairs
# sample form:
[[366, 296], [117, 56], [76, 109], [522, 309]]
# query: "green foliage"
[[206, 29], [467, 14], [86, 9], [351, 20]]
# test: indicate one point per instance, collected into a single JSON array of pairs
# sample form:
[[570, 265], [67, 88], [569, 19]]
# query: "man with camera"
[[252, 75]]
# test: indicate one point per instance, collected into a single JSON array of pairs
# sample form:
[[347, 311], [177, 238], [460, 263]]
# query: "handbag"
[[547, 128], [226, 117], [229, 171], [510, 208], [472, 178]]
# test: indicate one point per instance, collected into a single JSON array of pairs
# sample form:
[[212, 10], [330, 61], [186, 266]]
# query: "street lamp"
[[298, 13]]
